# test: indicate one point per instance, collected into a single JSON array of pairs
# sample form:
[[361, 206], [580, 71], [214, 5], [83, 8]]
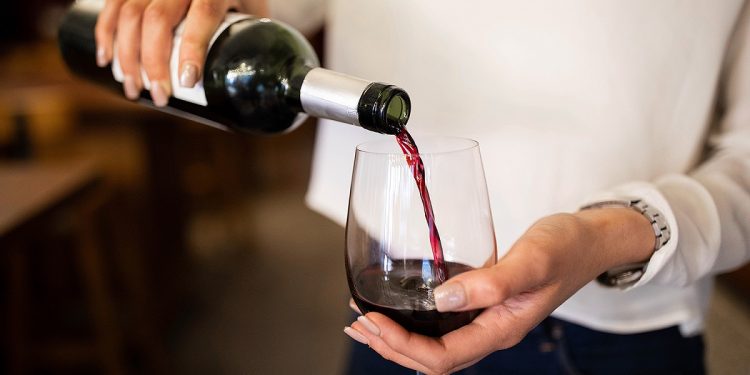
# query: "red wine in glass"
[[403, 295], [409, 147]]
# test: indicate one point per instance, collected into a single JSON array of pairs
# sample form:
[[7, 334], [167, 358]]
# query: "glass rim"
[[468, 144]]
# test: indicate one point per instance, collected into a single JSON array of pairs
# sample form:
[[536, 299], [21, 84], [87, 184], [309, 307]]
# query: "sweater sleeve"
[[708, 209], [726, 175]]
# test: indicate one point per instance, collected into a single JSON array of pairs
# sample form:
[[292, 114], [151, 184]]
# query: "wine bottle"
[[260, 76]]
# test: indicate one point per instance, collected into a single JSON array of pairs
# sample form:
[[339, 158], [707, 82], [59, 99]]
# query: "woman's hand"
[[143, 31], [556, 256]]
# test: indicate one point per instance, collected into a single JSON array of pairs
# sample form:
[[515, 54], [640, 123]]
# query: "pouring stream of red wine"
[[409, 147]]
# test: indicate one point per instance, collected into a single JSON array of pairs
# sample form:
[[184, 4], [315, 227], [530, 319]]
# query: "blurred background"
[[136, 242]]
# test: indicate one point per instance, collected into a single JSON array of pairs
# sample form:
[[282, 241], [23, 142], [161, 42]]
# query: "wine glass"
[[390, 264]]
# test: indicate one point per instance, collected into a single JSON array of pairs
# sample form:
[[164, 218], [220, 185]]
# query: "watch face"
[[628, 277], [623, 276]]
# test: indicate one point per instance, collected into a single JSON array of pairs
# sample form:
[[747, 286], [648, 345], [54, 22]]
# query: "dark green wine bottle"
[[260, 76]]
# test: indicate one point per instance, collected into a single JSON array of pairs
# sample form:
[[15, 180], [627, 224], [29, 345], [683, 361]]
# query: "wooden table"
[[28, 190]]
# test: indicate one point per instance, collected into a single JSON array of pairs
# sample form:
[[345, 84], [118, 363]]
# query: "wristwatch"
[[629, 274]]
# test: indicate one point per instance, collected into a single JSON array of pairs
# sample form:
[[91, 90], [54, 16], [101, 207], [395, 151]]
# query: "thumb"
[[487, 286]]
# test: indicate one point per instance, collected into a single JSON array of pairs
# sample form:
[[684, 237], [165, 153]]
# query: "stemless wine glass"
[[389, 257]]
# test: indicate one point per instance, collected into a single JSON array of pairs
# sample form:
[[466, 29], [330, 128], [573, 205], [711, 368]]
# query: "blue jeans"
[[558, 347]]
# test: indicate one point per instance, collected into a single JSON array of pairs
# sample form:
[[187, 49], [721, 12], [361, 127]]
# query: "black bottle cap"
[[384, 108]]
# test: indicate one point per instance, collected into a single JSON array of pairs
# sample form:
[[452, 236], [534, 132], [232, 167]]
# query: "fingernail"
[[369, 325], [101, 58], [354, 306], [449, 297], [159, 93], [131, 91], [188, 75], [356, 335]]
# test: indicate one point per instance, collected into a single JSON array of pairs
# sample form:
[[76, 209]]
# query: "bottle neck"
[[374, 106], [332, 95]]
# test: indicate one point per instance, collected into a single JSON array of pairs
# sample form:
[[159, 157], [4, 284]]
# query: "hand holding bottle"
[[227, 70], [143, 32]]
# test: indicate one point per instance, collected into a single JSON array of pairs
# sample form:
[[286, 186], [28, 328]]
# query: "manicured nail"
[[131, 90], [101, 57], [449, 297], [354, 306], [356, 335], [188, 75], [369, 325], [159, 93]]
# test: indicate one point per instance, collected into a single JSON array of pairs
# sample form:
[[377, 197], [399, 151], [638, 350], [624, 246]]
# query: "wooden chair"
[[30, 193]]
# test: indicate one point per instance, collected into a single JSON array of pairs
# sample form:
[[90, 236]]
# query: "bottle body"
[[260, 76], [253, 74]]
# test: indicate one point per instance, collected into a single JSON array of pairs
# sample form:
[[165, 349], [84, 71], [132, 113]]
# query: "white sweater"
[[569, 101]]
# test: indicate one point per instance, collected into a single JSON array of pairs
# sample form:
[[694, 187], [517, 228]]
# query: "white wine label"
[[196, 94]]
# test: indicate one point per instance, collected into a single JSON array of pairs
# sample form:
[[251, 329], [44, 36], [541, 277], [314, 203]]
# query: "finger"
[[104, 32], [354, 306], [159, 20], [128, 41], [381, 347], [203, 17], [485, 287], [456, 350]]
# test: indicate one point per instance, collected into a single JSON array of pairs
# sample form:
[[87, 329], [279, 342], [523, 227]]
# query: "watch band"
[[629, 274]]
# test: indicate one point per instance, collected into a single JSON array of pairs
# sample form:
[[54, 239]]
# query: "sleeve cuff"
[[654, 198]]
